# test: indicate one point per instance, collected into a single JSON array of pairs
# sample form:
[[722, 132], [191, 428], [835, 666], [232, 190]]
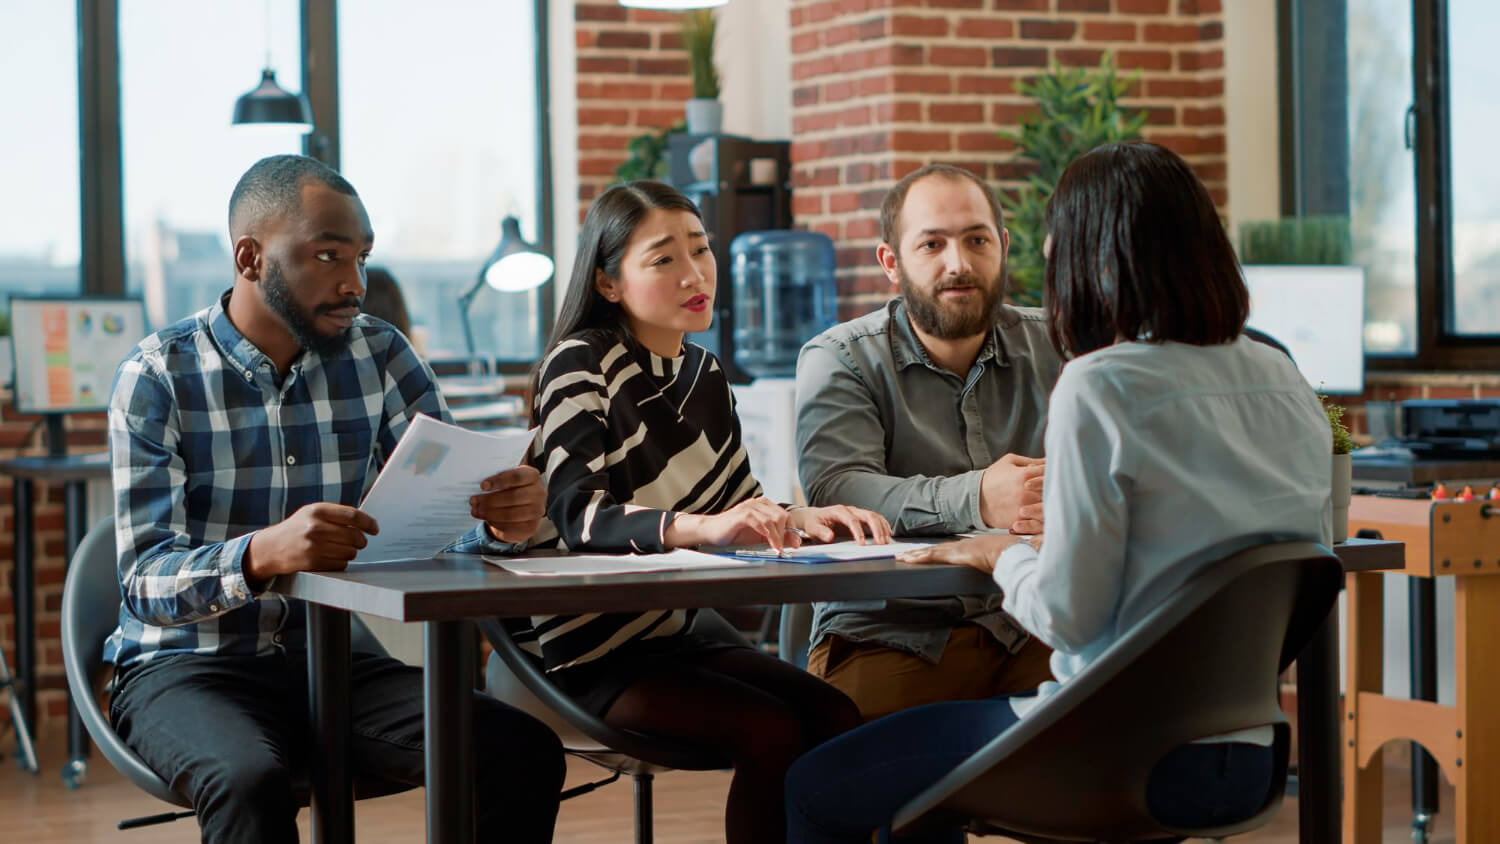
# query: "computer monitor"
[[1318, 313], [67, 349]]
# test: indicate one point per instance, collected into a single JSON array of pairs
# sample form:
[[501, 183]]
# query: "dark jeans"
[[231, 734], [853, 785]]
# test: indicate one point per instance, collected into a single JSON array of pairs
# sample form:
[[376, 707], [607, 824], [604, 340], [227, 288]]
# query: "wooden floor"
[[689, 810]]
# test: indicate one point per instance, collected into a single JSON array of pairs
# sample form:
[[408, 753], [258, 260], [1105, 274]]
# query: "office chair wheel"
[[74, 773]]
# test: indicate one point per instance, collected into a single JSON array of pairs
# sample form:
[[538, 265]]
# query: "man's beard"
[[300, 322], [953, 321]]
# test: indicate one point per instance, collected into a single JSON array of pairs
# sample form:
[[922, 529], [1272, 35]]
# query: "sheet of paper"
[[421, 498], [614, 563]]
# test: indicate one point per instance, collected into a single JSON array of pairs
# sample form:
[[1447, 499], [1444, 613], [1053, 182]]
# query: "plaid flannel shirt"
[[209, 444]]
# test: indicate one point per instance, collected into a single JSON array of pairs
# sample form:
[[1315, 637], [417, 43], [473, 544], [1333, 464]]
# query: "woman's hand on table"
[[750, 522], [978, 552]]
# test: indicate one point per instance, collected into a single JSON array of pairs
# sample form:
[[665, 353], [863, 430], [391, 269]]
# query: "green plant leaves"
[[1077, 109], [699, 29], [1297, 240]]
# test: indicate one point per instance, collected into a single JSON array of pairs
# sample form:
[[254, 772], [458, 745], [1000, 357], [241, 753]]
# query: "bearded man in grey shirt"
[[930, 412]]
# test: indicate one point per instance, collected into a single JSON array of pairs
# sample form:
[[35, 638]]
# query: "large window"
[[438, 134], [39, 231], [1474, 121], [1382, 179], [430, 109], [1413, 82], [183, 63]]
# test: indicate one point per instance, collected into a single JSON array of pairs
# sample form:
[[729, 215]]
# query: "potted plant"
[[1305, 241], [705, 114], [647, 155], [1077, 109], [1343, 468]]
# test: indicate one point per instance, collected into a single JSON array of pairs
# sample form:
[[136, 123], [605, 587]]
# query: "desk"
[[446, 591], [73, 471]]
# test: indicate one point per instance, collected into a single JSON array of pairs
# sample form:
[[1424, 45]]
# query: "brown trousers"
[[884, 680]]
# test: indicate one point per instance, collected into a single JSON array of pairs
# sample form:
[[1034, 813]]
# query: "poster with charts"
[[67, 350]]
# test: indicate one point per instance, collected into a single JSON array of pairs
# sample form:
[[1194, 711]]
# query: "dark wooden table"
[[73, 471], [445, 592]]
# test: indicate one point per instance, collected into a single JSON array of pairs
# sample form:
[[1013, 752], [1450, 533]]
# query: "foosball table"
[[1445, 537]]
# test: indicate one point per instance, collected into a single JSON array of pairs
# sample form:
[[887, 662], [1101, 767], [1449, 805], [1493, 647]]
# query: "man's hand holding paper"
[[439, 479], [511, 504]]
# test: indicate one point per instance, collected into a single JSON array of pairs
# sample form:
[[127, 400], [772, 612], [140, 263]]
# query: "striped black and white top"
[[628, 440]]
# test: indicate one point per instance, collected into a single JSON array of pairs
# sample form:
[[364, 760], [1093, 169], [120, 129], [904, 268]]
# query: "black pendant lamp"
[[269, 104]]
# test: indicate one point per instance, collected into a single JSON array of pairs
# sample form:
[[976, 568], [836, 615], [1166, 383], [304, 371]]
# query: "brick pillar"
[[632, 78], [881, 88]]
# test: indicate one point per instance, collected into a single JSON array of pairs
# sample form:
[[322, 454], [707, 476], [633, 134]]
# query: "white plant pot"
[[1343, 482], [704, 116]]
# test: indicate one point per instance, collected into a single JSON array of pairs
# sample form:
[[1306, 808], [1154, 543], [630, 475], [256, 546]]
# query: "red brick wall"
[[882, 87], [632, 77], [86, 433]]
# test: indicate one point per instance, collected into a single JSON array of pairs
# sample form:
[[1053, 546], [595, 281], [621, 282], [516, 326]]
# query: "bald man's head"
[[272, 188]]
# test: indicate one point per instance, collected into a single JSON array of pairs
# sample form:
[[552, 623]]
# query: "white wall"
[[755, 65], [1250, 107]]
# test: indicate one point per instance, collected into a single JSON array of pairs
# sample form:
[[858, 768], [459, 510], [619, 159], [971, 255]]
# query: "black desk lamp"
[[515, 266]]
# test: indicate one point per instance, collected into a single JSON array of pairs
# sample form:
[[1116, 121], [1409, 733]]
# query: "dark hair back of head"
[[895, 199], [1138, 252], [601, 246], [272, 187], [383, 299]]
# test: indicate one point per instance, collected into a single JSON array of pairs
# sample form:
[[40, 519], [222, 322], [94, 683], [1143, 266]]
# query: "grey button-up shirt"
[[880, 426]]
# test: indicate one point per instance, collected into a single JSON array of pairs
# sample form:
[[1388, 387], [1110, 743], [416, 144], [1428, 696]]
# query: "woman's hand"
[[823, 523], [749, 522], [978, 552]]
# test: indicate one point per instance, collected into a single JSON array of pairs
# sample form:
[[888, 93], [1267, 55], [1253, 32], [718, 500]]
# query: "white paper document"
[[614, 563], [421, 498]]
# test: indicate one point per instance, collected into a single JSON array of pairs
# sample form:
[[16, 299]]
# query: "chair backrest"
[[90, 613], [1203, 664], [572, 722]]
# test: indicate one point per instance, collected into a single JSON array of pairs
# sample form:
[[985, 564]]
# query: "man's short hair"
[[890, 207], [272, 187]]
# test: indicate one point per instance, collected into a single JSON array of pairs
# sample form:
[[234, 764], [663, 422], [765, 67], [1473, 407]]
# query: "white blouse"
[[1162, 457]]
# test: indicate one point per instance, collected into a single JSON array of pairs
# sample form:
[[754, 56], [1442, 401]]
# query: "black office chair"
[[1205, 663], [90, 611], [517, 678]]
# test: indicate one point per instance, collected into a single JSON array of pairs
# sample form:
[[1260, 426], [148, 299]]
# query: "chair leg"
[[643, 808]]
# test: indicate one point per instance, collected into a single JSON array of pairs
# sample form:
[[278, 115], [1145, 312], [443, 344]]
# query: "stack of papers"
[[833, 552], [570, 564]]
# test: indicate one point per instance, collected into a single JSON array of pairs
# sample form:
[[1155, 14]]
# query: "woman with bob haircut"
[[1172, 441], [641, 451]]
